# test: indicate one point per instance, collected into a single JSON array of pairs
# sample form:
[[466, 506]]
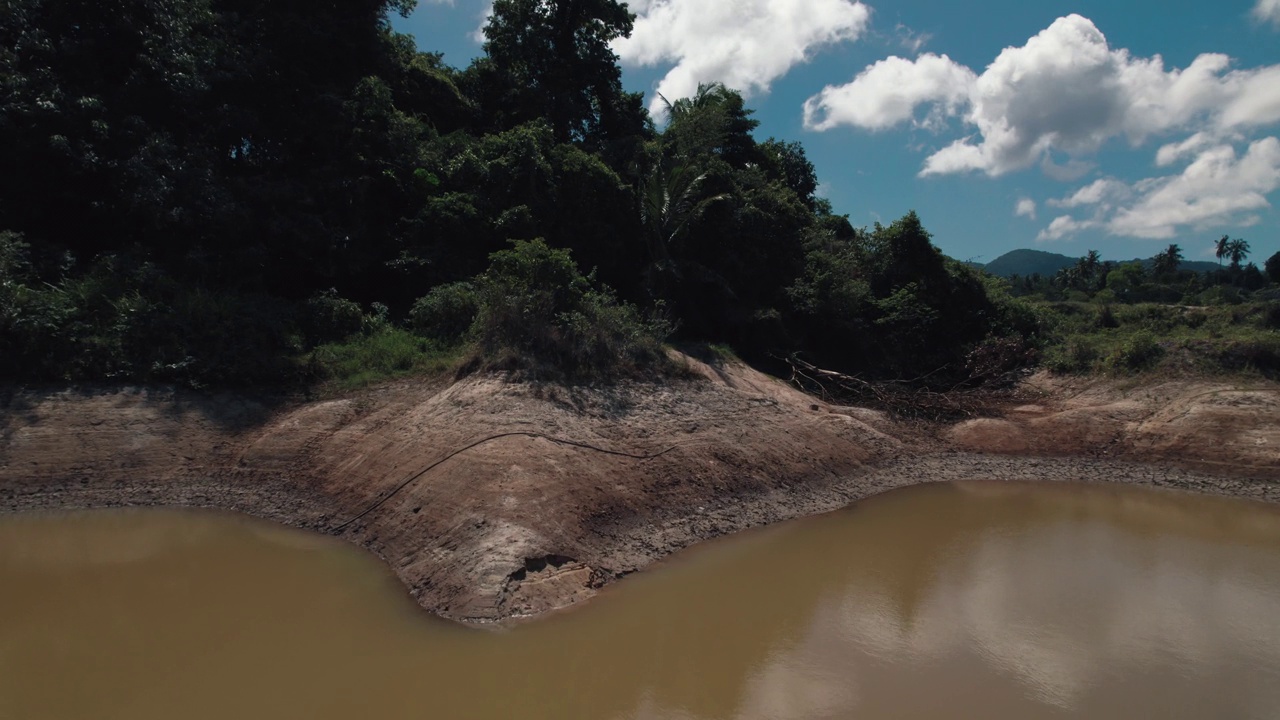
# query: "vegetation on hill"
[[1026, 263], [1163, 278], [1101, 316], [230, 192]]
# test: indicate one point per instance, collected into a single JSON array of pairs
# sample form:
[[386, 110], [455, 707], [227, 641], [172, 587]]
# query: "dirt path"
[[492, 499]]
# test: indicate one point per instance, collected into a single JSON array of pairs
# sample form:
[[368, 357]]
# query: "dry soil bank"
[[493, 499]]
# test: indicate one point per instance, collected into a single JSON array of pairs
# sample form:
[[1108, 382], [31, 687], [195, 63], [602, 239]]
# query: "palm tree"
[[1220, 248], [1166, 262], [712, 122], [1237, 250], [669, 203], [1086, 270], [1067, 277]]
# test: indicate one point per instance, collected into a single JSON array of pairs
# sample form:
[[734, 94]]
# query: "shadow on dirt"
[[227, 411]]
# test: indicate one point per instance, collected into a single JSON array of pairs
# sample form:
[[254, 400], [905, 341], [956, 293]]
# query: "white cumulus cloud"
[[1063, 226], [745, 44], [1268, 11], [1026, 207], [1217, 187], [1173, 152], [899, 86], [1066, 91], [478, 34], [1094, 193]]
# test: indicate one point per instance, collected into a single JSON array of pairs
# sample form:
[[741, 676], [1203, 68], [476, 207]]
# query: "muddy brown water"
[[969, 600]]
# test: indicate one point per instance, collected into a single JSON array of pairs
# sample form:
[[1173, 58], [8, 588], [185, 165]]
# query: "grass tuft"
[[385, 354]]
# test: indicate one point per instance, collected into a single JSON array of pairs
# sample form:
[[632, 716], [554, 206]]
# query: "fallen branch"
[[899, 398]]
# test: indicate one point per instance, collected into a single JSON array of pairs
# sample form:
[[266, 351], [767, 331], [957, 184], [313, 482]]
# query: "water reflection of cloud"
[[1067, 610], [789, 687]]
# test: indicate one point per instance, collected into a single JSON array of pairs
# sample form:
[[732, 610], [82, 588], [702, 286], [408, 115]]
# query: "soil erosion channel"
[[992, 600]]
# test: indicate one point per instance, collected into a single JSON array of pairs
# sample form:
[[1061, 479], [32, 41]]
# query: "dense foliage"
[[1102, 316], [1162, 279], [224, 191]]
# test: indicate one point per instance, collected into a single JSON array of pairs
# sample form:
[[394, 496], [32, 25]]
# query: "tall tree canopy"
[[553, 59], [227, 138]]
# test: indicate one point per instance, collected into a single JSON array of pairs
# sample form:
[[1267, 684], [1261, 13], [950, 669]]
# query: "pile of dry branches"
[[913, 399]]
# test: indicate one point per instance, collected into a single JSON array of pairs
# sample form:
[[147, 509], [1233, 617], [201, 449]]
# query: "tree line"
[[1159, 279], [215, 191]]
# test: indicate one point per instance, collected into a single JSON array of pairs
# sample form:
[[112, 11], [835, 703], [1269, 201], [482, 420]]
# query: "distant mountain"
[[1029, 262]]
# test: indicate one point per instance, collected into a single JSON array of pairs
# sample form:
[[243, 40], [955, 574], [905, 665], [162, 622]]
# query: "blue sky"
[[1116, 126]]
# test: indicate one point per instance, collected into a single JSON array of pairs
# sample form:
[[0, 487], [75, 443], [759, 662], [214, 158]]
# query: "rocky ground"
[[493, 499]]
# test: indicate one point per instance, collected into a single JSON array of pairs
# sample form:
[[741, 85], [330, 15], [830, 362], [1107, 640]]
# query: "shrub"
[[447, 312], [1107, 318], [122, 319], [1261, 354], [377, 319], [1077, 355], [1137, 352], [327, 317], [1220, 295], [386, 353], [1271, 316], [536, 310]]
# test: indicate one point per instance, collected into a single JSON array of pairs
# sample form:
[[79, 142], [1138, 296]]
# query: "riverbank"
[[493, 500]]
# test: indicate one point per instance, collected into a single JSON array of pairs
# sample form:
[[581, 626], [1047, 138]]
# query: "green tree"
[[715, 122], [212, 136], [1273, 267], [1125, 280], [1220, 248], [787, 161], [888, 303], [1237, 250], [554, 59], [1090, 264], [671, 198], [1088, 274], [100, 143], [1166, 262]]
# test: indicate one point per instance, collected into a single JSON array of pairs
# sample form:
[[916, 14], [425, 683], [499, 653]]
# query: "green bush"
[[327, 317], [1260, 354], [537, 311], [1220, 295], [385, 354], [447, 312], [1271, 316], [119, 319], [1077, 355], [1139, 351], [1107, 318]]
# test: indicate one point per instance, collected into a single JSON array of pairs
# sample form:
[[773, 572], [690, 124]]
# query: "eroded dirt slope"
[[1230, 427], [493, 499]]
